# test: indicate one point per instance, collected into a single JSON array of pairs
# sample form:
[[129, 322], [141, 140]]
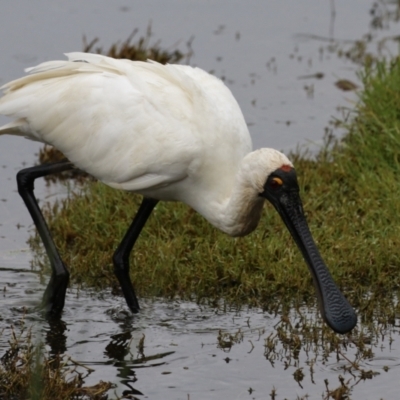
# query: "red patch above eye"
[[286, 168]]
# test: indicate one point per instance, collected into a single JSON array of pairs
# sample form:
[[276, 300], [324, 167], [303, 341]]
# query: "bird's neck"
[[239, 213]]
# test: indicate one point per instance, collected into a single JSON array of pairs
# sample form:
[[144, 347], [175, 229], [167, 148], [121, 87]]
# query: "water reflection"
[[56, 337], [119, 346], [117, 350]]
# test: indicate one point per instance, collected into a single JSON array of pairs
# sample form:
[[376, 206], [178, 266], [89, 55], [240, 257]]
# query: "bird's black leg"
[[54, 295], [121, 255]]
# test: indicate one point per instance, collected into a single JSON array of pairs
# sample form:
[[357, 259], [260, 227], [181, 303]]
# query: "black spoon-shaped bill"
[[282, 190]]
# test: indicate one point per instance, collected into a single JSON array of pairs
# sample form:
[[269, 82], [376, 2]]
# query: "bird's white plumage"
[[170, 132]]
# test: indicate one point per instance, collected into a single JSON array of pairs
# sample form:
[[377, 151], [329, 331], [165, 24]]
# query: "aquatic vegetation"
[[28, 372], [141, 50]]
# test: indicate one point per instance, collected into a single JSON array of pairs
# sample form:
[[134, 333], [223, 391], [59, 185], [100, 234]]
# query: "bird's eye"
[[275, 183]]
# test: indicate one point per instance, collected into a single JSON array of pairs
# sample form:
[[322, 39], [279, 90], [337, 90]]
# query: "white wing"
[[133, 125]]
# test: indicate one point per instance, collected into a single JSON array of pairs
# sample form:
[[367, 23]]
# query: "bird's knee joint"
[[24, 181]]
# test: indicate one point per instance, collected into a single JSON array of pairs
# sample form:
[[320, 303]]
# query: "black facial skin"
[[283, 193]]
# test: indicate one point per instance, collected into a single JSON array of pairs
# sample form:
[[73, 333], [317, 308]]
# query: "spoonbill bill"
[[167, 132]]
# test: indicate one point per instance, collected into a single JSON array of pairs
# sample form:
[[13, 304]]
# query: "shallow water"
[[182, 357], [262, 49]]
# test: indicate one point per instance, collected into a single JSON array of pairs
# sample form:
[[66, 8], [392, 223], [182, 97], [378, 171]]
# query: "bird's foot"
[[54, 296]]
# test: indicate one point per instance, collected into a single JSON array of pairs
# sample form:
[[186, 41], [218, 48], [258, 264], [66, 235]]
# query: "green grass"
[[351, 194]]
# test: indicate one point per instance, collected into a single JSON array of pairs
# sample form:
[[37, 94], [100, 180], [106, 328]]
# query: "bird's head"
[[274, 178]]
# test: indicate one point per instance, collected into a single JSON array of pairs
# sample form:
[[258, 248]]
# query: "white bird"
[[168, 132]]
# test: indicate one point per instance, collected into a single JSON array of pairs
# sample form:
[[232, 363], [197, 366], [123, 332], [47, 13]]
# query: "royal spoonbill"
[[168, 132]]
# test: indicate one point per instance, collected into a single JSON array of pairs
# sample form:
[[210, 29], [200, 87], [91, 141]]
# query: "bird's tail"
[[12, 128], [16, 128]]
